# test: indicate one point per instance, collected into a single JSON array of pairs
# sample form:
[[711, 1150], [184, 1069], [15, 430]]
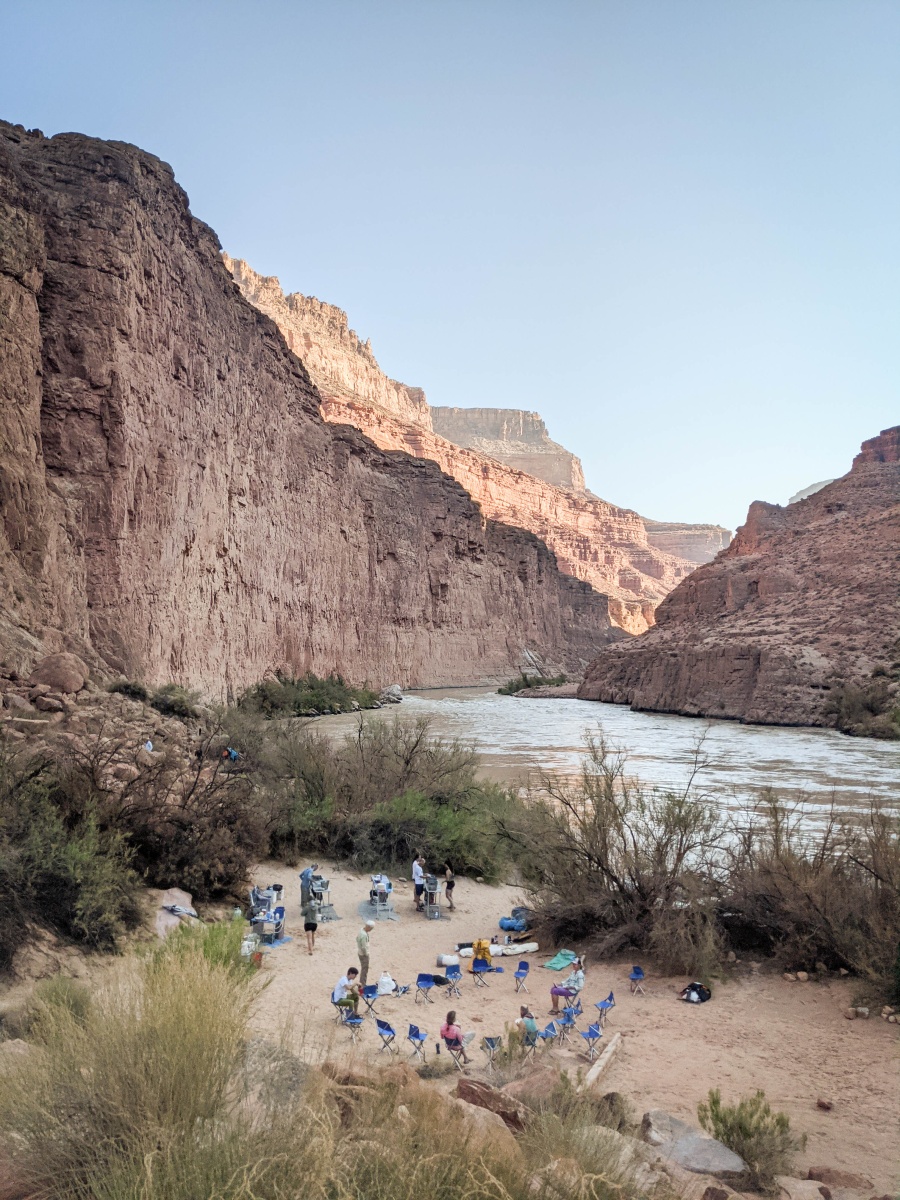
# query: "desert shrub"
[[751, 1129], [611, 1110], [524, 681], [175, 701], [867, 710], [60, 868], [219, 944], [130, 688], [307, 696]]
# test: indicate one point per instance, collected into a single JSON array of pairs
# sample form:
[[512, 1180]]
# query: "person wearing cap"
[[362, 949], [569, 988]]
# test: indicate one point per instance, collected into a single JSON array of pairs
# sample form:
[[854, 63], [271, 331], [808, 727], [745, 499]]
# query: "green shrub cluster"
[[868, 710], [172, 700], [760, 1136], [308, 696], [524, 681]]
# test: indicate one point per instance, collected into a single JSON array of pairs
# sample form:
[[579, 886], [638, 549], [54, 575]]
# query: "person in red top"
[[454, 1036]]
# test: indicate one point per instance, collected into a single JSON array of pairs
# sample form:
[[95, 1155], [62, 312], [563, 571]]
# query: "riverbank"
[[759, 1031]]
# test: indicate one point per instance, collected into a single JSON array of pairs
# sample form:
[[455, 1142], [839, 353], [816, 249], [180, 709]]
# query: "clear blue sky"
[[671, 228]]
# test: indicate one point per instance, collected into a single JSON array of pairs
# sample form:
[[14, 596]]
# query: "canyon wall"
[[172, 504], [697, 543], [606, 546], [806, 598]]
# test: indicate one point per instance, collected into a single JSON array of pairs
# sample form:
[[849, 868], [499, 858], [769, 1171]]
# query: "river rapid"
[[518, 739]]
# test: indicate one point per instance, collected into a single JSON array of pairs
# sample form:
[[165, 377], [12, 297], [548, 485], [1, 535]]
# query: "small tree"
[[761, 1137]]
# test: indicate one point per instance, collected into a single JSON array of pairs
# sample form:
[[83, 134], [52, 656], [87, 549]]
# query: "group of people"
[[418, 875]]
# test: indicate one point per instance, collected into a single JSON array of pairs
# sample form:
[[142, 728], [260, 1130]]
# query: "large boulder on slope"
[[61, 673], [687, 1147]]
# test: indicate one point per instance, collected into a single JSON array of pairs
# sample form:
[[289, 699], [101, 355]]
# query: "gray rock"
[[18, 703], [392, 694], [685, 1146]]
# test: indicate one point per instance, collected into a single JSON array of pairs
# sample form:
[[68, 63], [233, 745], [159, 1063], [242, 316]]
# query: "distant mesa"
[[504, 458], [809, 491]]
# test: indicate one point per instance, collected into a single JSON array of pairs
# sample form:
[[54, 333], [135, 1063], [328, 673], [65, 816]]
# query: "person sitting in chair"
[[454, 1036], [526, 1022], [346, 991], [569, 988]]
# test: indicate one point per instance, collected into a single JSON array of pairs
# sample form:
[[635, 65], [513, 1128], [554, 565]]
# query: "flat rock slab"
[[832, 1177], [685, 1146]]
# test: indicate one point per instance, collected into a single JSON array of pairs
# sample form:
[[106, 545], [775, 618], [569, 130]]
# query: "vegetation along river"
[[517, 739]]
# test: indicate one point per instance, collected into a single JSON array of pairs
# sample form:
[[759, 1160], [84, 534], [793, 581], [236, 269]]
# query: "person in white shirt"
[[569, 988], [346, 991], [418, 873]]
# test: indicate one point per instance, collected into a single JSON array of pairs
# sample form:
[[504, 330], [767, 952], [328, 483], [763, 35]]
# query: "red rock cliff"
[[804, 597], [172, 503], [597, 542]]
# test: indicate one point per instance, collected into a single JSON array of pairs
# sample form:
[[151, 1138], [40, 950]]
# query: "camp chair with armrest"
[[454, 979], [418, 1039], [456, 1050], [370, 994], [637, 980], [388, 1037], [490, 1045], [592, 1036], [424, 984], [604, 1006], [521, 974]]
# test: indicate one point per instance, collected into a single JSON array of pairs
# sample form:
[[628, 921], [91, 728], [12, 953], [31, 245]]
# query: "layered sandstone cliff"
[[697, 543], [597, 542], [804, 600], [172, 504]]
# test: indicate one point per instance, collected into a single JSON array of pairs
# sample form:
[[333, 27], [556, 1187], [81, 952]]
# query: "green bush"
[[307, 696], [524, 681], [175, 701], [868, 710], [761, 1137], [130, 688]]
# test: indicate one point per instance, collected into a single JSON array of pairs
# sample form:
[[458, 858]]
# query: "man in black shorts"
[[419, 881], [310, 913]]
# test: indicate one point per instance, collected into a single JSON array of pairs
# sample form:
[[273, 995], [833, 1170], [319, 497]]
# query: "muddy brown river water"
[[516, 739]]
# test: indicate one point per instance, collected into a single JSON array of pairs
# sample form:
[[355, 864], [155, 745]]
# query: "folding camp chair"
[[480, 968], [456, 1050], [550, 1034], [566, 1024], [577, 1010], [521, 975], [424, 984], [403, 989], [388, 1037], [490, 1045], [454, 979], [637, 980], [350, 1021], [529, 1046], [418, 1040], [370, 994], [592, 1037], [603, 1007], [339, 1011]]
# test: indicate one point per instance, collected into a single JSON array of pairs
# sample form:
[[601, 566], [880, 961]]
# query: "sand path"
[[759, 1031]]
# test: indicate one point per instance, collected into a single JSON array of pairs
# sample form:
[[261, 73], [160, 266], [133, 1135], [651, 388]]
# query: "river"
[[516, 739]]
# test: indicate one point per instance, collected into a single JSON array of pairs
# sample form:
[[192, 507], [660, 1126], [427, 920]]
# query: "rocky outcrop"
[[519, 439], [697, 543], [173, 505], [597, 542], [806, 599]]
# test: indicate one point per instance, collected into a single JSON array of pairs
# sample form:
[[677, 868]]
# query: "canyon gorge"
[[804, 602], [504, 458], [173, 505]]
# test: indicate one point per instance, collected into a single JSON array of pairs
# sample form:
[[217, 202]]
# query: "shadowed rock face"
[[172, 504], [804, 597]]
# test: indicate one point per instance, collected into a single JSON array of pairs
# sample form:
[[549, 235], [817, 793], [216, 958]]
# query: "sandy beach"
[[759, 1031]]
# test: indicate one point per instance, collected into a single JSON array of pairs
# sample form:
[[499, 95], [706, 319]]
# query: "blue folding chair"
[[424, 984], [370, 994], [550, 1034], [418, 1040], [637, 980], [592, 1037], [352, 1022], [521, 975], [530, 1045], [566, 1024], [454, 979], [403, 989], [339, 1011], [388, 1036], [490, 1045], [480, 968], [456, 1050], [604, 1006], [576, 1008]]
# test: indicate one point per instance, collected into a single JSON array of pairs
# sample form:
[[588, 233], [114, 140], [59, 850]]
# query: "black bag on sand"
[[696, 993]]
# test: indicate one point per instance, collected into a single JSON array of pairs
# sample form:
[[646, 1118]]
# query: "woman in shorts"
[[310, 914], [449, 885]]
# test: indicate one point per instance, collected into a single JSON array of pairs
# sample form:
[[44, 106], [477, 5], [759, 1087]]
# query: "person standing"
[[362, 949], [419, 881], [310, 914], [449, 885]]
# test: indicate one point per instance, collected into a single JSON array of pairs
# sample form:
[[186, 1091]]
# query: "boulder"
[[488, 1125], [716, 1193], [514, 1114], [166, 921], [540, 1084], [61, 672], [841, 1179], [798, 1189], [18, 703], [803, 977], [825, 1105], [392, 694], [49, 704], [680, 1143]]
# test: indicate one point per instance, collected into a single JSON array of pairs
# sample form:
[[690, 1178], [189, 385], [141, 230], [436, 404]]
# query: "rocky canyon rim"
[[516, 738]]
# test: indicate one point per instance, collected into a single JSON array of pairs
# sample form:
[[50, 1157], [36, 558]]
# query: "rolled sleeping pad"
[[467, 952], [448, 960]]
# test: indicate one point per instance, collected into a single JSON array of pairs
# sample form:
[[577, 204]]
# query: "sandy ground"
[[759, 1031]]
